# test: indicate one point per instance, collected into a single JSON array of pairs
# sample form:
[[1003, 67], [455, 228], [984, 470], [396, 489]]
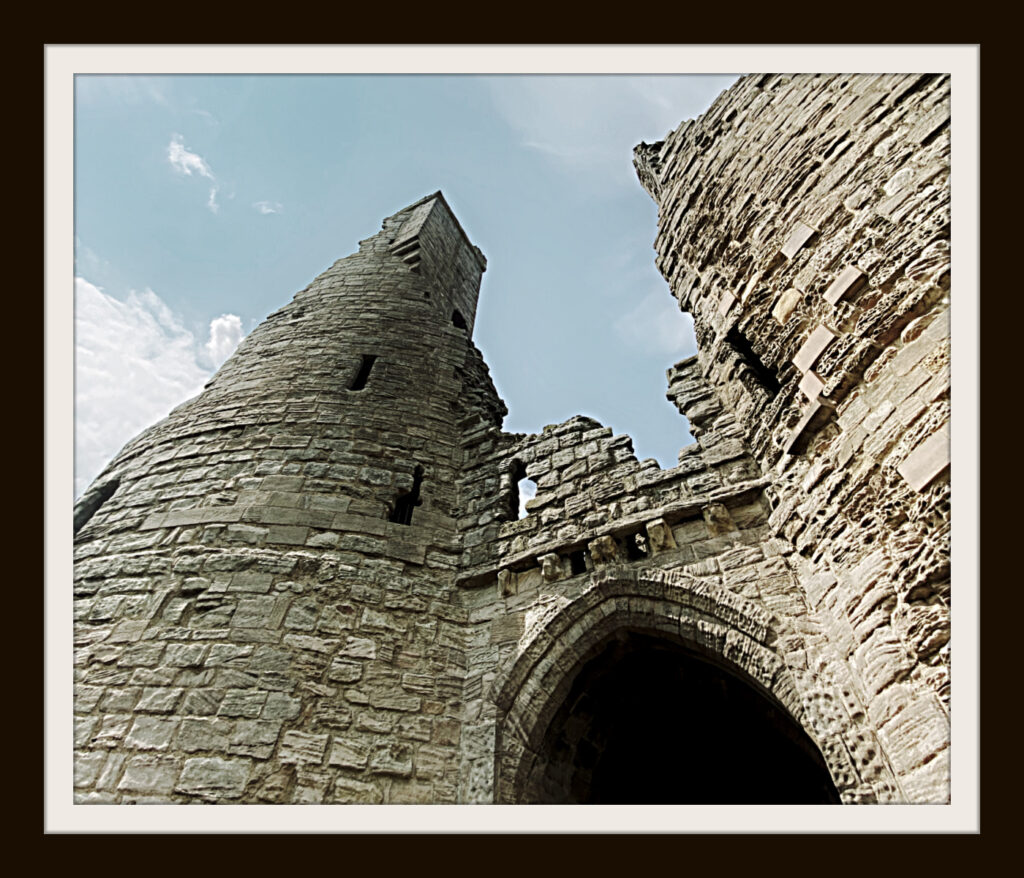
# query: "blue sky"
[[203, 203]]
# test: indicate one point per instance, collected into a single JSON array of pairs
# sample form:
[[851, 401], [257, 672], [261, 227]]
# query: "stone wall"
[[311, 583], [804, 221]]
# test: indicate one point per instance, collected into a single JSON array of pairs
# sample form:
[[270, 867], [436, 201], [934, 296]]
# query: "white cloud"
[[134, 361], [266, 207], [225, 334], [184, 161], [656, 325]]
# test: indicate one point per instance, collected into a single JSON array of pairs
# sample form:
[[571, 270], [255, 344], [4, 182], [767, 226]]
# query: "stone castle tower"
[[310, 583]]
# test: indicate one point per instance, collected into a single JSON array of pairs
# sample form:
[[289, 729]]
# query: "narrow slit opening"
[[359, 382], [764, 375], [408, 500], [519, 489]]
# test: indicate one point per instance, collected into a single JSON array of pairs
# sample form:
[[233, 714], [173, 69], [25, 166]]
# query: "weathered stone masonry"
[[310, 584]]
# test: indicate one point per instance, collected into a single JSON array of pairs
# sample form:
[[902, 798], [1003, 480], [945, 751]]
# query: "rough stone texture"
[[310, 584], [863, 497]]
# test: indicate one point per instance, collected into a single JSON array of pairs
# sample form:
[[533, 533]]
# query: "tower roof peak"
[[438, 198]]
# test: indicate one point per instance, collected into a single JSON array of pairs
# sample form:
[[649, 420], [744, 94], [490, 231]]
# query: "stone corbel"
[[506, 583], [603, 550], [659, 536], [550, 567]]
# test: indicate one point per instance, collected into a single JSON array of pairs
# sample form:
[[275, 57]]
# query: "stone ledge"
[[672, 513]]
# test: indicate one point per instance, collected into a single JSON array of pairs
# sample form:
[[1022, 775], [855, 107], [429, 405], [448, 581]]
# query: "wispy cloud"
[[590, 124], [122, 88], [86, 260], [207, 116], [656, 325], [266, 207], [134, 361], [186, 162]]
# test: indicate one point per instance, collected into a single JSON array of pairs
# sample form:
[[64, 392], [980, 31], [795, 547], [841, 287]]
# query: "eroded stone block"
[[718, 519], [302, 747], [551, 567], [603, 550], [659, 536], [506, 583], [786, 305]]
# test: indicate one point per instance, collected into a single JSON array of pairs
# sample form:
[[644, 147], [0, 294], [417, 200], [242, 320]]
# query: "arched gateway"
[[655, 688]]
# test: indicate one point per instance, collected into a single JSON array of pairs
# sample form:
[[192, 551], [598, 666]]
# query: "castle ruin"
[[310, 584]]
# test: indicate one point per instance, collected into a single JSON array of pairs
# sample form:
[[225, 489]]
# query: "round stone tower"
[[265, 605]]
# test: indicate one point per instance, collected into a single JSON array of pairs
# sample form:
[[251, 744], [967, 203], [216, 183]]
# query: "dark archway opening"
[[647, 721]]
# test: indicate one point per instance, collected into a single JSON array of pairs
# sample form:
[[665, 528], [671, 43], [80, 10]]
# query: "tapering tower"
[[265, 606]]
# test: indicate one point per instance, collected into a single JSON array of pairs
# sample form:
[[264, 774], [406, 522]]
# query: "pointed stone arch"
[[726, 629]]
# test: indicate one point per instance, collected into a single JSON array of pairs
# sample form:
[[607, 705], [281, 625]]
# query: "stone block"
[[787, 304], [603, 550], [242, 703], [88, 767], [302, 748], [811, 386], [347, 755], [392, 759], [927, 461], [800, 235], [726, 302], [359, 647], [212, 778], [349, 791], [203, 734], [846, 283], [551, 567], [659, 536], [150, 774], [159, 699], [254, 738], [151, 733], [507, 629], [813, 347]]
